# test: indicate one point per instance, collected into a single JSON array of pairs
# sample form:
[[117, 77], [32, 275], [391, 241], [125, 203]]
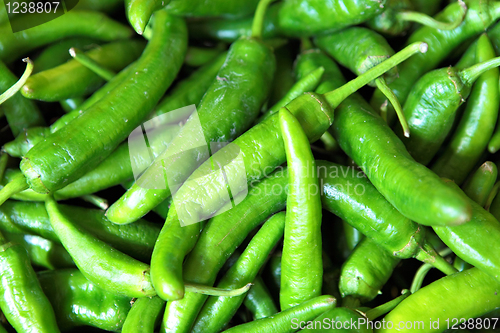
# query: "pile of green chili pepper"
[[250, 166]]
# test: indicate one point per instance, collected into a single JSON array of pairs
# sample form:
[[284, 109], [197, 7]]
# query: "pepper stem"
[[91, 64], [16, 185], [431, 22], [470, 75], [386, 307], [96, 201], [258, 19], [384, 88], [15, 88], [212, 291], [331, 145], [336, 96], [419, 277], [428, 255]]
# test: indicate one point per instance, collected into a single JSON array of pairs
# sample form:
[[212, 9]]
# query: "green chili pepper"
[[301, 18], [359, 49], [399, 14], [367, 139], [258, 300], [227, 109], [476, 126], [480, 15], [468, 240], [79, 302], [50, 166], [57, 53], [136, 240], [302, 240], [219, 240], [144, 315], [366, 271], [23, 302], [288, 320], [217, 312], [72, 79], [20, 112], [42, 252], [346, 189], [443, 91], [72, 24], [481, 183], [467, 294], [100, 263]]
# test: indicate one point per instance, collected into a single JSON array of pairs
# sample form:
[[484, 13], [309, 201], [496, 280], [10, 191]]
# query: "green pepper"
[[302, 18], [79, 302], [23, 302], [474, 240], [345, 190], [74, 23], [136, 240], [366, 271], [302, 240], [476, 126], [442, 91], [467, 294], [144, 315], [217, 311], [258, 300]]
